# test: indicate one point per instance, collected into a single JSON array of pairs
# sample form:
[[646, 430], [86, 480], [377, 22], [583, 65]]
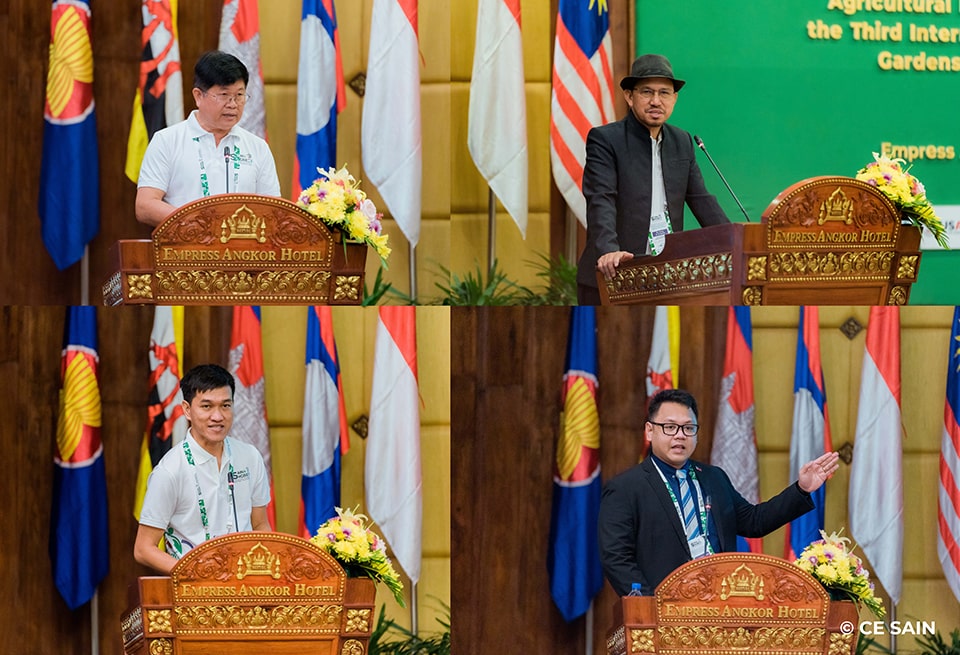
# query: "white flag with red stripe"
[[948, 506], [392, 466], [876, 476], [664, 356], [497, 124], [240, 36]]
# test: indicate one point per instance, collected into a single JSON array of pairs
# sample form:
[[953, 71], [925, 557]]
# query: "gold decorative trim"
[[199, 285], [358, 621], [139, 286], [258, 561], [742, 582], [347, 287], [752, 296], [351, 647], [907, 270], [243, 224], [836, 208], [840, 644], [641, 641], [295, 618], [757, 268], [159, 620], [131, 626], [831, 265], [714, 638], [898, 296], [692, 273], [161, 647]]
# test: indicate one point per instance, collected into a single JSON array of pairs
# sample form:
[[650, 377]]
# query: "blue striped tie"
[[690, 524]]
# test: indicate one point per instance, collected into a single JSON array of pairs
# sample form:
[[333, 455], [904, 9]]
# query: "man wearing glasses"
[[208, 153], [668, 510], [638, 174]]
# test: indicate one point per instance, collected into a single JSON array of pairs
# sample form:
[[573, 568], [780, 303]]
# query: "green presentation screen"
[[780, 91]]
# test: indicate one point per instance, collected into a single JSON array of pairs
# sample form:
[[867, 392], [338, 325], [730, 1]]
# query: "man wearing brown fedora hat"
[[638, 175]]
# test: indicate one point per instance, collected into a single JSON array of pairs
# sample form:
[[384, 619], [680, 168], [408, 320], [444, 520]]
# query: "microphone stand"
[[717, 168], [233, 501], [226, 160]]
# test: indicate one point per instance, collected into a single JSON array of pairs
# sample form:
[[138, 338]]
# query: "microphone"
[[226, 160], [717, 168], [233, 501]]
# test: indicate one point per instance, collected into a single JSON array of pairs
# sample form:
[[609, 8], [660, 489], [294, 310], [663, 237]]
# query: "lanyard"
[[205, 180], [676, 504], [204, 519]]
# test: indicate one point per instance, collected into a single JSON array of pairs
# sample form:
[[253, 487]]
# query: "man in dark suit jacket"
[[623, 185], [642, 539]]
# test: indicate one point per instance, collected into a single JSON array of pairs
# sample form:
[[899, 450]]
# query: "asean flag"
[[69, 203], [79, 547]]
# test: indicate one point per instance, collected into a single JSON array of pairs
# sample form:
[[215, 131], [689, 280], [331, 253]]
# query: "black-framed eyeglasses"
[[671, 429], [223, 98]]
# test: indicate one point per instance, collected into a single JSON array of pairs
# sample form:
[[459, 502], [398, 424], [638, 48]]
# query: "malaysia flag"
[[948, 503]]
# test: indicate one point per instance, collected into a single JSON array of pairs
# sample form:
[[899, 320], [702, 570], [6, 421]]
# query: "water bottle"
[[636, 589]]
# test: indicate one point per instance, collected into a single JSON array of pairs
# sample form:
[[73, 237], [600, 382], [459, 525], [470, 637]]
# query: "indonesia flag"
[[320, 92], [573, 556], [249, 400], [664, 359], [394, 489], [325, 436], [948, 505], [876, 477], [79, 532], [390, 131], [497, 124], [811, 427], [582, 95], [735, 439], [240, 36]]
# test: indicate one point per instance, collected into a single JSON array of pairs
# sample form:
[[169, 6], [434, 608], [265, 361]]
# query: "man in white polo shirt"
[[206, 486], [208, 153]]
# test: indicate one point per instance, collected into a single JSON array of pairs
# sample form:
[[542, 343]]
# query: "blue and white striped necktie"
[[690, 524]]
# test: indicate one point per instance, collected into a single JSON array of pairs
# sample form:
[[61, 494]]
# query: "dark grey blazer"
[[641, 539], [616, 184]]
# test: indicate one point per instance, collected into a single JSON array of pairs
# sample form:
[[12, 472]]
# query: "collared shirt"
[[178, 158], [171, 502], [670, 473]]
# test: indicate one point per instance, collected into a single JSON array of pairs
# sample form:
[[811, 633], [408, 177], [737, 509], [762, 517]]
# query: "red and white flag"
[[497, 124], [392, 467], [390, 137], [948, 504], [876, 476], [240, 36], [664, 356]]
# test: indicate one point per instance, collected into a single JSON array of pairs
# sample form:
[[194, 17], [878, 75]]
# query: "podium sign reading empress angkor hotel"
[[735, 603], [822, 241], [253, 593], [238, 249]]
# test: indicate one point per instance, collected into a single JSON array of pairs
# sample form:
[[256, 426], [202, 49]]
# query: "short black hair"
[[679, 396], [205, 377], [217, 68]]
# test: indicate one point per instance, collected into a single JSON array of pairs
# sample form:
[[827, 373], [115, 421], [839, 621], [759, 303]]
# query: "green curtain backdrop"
[[783, 91]]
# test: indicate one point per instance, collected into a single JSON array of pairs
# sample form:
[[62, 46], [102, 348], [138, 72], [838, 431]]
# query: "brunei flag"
[[78, 526], [69, 204], [159, 98]]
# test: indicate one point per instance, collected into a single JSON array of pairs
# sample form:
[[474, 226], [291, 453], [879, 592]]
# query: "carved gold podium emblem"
[[838, 207], [742, 582], [258, 561], [243, 224]]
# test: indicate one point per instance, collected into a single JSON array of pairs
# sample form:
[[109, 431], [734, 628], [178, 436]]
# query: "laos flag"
[[69, 204], [78, 526], [573, 557]]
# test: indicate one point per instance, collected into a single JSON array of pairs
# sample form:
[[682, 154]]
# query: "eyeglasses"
[[649, 94], [224, 98], [671, 429]]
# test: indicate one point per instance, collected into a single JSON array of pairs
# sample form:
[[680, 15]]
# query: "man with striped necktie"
[[669, 509]]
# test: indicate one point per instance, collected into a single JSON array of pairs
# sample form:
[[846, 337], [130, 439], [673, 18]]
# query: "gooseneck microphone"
[[226, 160], [233, 501], [717, 168]]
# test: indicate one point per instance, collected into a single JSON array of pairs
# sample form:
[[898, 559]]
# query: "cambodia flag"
[[320, 92], [240, 36], [811, 427], [325, 435], [573, 555], [79, 545], [249, 401], [69, 204], [948, 504], [735, 439]]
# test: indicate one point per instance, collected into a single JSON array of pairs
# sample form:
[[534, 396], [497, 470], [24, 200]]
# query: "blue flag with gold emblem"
[[69, 203], [79, 546], [573, 555]]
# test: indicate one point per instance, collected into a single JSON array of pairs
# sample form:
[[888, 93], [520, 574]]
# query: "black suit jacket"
[[616, 185], [641, 539]]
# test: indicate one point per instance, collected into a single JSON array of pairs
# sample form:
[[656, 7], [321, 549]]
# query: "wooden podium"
[[735, 602], [822, 241], [251, 593], [238, 249]]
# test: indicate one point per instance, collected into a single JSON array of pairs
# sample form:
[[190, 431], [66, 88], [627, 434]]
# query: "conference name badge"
[[659, 229], [698, 547]]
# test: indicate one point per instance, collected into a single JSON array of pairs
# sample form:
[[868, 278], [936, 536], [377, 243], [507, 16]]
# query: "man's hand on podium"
[[607, 264]]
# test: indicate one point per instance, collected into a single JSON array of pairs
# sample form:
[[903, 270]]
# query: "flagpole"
[[589, 630], [95, 623], [413, 272], [85, 276], [571, 234], [491, 230], [893, 636], [414, 628]]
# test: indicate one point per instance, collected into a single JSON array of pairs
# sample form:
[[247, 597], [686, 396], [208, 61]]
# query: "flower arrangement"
[[841, 573], [336, 199], [358, 549], [905, 192]]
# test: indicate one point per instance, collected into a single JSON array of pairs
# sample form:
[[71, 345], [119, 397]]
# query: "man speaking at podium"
[[669, 510], [206, 486], [208, 153], [638, 174]]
